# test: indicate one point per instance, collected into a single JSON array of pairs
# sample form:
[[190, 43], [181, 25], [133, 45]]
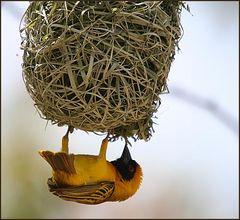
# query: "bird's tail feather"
[[59, 161]]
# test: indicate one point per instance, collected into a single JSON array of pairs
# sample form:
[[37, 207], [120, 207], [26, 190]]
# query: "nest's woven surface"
[[99, 65]]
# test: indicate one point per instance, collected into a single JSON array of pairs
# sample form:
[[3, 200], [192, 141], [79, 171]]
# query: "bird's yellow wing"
[[86, 194]]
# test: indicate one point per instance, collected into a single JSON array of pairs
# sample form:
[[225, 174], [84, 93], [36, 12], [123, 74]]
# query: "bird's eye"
[[131, 168]]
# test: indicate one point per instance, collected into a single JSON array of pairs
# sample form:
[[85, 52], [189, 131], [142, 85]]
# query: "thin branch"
[[208, 105]]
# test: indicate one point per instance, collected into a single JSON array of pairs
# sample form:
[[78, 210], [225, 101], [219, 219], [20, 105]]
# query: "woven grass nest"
[[99, 65]]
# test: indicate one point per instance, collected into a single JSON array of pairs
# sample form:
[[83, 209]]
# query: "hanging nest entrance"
[[99, 65]]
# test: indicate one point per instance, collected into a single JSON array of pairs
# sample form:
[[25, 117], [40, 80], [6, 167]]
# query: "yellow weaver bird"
[[90, 179]]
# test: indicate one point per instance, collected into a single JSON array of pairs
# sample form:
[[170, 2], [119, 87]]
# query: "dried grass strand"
[[98, 65]]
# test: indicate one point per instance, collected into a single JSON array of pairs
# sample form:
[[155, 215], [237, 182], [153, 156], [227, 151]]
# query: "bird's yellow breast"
[[89, 169], [125, 189]]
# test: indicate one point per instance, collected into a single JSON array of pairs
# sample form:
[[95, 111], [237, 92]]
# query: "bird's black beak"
[[126, 156]]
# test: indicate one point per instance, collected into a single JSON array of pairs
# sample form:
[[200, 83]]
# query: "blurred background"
[[190, 164]]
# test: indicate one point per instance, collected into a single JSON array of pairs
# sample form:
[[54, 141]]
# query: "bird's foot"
[[70, 129], [110, 132]]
